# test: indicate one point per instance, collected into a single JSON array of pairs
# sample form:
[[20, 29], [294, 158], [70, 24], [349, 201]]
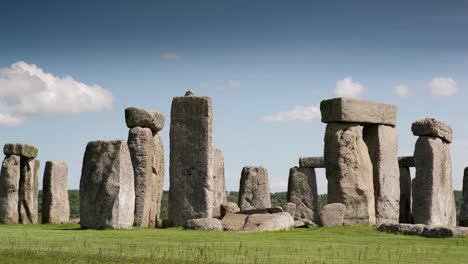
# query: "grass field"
[[69, 244]]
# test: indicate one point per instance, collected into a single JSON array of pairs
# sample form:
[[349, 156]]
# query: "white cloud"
[[171, 55], [443, 87], [204, 85], [402, 91], [299, 113], [348, 88], [234, 83], [26, 90]]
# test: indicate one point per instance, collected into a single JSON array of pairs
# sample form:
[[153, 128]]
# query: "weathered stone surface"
[[107, 192], [312, 162], [229, 208], [268, 222], [22, 150], [406, 161], [407, 229], [300, 224], [424, 230], [332, 214], [137, 117], [433, 198], [234, 222], [28, 191], [463, 219], [254, 191], [405, 196], [302, 191], [289, 208], [191, 175], [147, 154], [219, 183], [55, 206], [382, 142], [273, 210], [357, 111], [9, 190], [349, 173], [206, 224], [432, 128]]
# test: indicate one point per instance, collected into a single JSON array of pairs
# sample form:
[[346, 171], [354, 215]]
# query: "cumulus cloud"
[[171, 55], [348, 88], [443, 87], [299, 113], [402, 91], [234, 83], [26, 90]]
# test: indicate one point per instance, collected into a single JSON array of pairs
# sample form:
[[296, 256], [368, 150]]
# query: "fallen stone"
[[9, 190], [268, 222], [229, 208], [407, 229], [332, 215], [312, 162], [424, 230], [463, 219], [289, 208], [405, 196], [302, 191], [254, 191], [107, 192], [137, 117], [273, 210], [206, 224], [308, 222], [406, 161], [28, 191], [351, 110], [300, 224], [219, 185], [349, 173], [55, 206], [432, 128], [234, 222], [22, 150]]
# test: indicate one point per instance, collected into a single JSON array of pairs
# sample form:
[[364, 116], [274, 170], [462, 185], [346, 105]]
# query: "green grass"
[[68, 244]]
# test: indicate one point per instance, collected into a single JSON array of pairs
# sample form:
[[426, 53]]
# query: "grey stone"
[[9, 190], [189, 93], [289, 208], [55, 205], [432, 128], [302, 191], [312, 162], [206, 224], [300, 224], [406, 161], [357, 111], [424, 230], [234, 222], [273, 210], [229, 208], [28, 191], [349, 173], [219, 184], [407, 229], [147, 154], [22, 150], [254, 191], [107, 191], [405, 196], [433, 197], [382, 142], [332, 214], [268, 222], [463, 219], [137, 117], [191, 171]]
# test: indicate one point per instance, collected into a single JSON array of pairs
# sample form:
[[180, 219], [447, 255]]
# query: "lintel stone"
[[22, 150], [311, 162], [406, 161], [433, 128]]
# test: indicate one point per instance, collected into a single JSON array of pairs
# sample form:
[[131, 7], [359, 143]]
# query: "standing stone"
[[349, 172], [159, 171], [332, 215], [9, 187], [254, 191], [405, 196], [219, 184], [382, 142], [28, 191], [433, 197], [191, 175], [55, 205], [463, 220], [302, 191], [107, 193]]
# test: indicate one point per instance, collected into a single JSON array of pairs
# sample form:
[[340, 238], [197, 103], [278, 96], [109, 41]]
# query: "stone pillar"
[[405, 196], [433, 197], [107, 192], [159, 171], [254, 190], [382, 142], [28, 191], [55, 205], [349, 172], [9, 190], [463, 220], [219, 182], [302, 191], [191, 143]]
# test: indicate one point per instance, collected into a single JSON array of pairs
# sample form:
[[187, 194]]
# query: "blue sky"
[[255, 59]]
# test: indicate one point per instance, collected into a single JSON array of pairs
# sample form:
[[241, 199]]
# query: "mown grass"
[[69, 244]]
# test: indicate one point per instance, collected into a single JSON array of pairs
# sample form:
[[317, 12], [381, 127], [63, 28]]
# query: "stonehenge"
[[55, 204], [254, 189], [302, 192]]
